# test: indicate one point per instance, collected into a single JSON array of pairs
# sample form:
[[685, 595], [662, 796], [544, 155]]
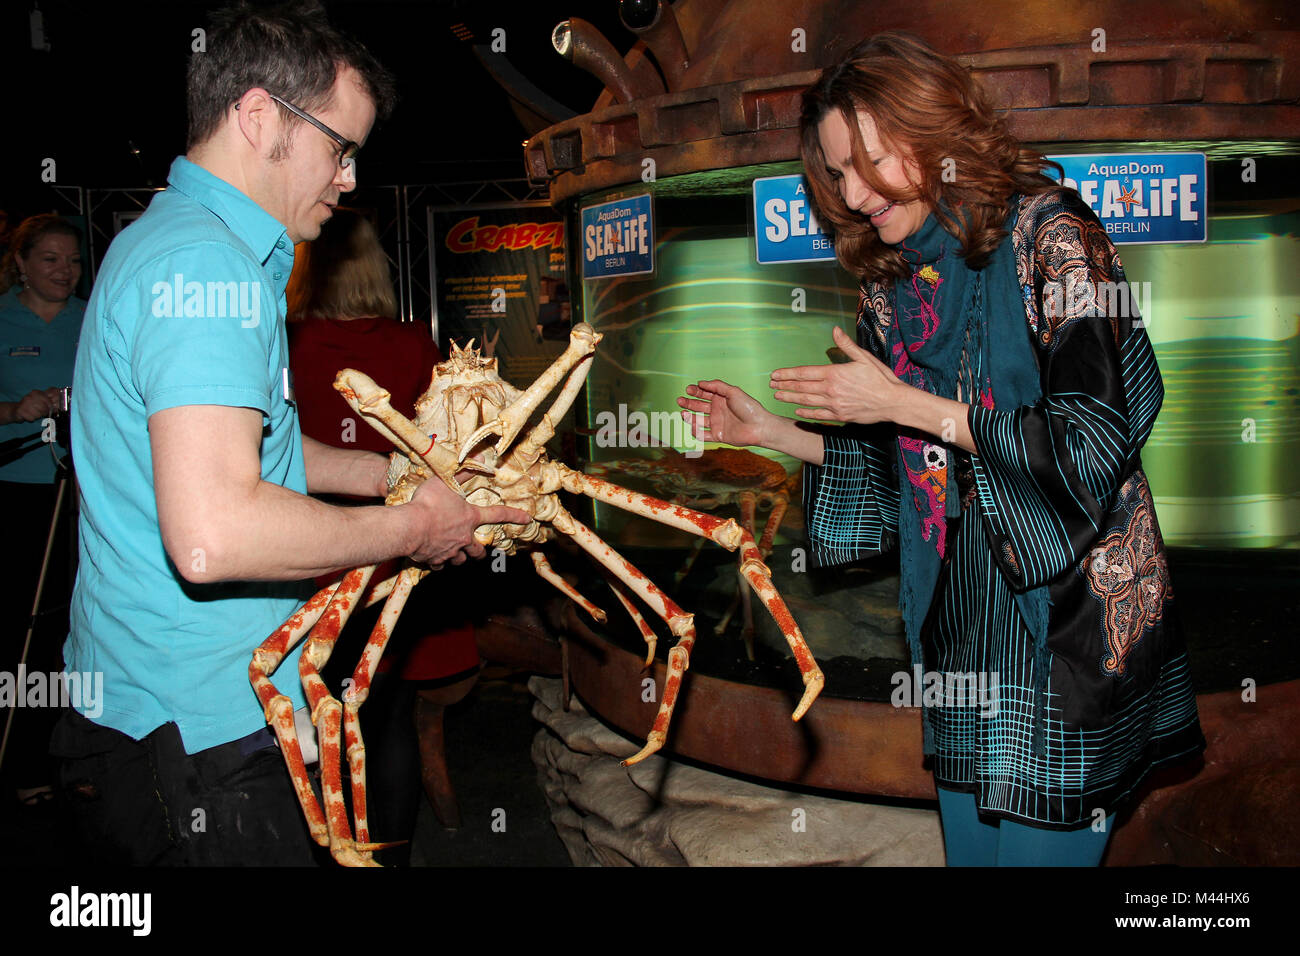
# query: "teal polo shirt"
[[34, 355], [188, 309]]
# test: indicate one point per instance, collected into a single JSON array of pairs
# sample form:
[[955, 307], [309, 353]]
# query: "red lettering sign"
[[468, 236]]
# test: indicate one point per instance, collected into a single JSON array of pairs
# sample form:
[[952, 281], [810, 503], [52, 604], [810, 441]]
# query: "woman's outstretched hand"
[[717, 411], [863, 390]]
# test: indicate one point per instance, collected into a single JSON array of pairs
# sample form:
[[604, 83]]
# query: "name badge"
[[286, 382], [25, 351]]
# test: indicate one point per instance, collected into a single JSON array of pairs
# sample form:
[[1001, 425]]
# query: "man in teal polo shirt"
[[196, 530]]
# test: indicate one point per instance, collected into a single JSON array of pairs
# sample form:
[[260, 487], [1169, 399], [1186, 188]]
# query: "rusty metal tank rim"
[[1179, 86]]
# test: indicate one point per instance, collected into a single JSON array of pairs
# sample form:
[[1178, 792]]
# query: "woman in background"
[[342, 314], [994, 417], [40, 323]]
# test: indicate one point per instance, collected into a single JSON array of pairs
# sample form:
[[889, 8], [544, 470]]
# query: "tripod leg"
[[36, 603]]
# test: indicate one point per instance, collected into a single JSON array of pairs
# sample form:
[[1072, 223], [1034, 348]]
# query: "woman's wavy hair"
[[930, 106], [343, 274], [31, 231]]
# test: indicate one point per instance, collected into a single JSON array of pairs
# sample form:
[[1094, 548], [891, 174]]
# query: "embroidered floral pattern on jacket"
[[1069, 252], [1128, 573]]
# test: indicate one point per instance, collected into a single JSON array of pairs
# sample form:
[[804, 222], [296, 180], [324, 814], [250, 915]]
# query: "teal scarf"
[[952, 325]]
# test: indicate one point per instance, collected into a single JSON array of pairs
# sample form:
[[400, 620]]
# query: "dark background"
[[107, 101]]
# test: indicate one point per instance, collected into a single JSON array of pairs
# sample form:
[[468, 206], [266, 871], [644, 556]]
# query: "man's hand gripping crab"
[[468, 404]]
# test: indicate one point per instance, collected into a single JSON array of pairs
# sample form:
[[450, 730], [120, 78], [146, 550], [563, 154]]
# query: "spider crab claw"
[[495, 427], [512, 419], [473, 464]]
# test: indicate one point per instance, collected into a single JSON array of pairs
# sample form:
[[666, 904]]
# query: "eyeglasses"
[[347, 148]]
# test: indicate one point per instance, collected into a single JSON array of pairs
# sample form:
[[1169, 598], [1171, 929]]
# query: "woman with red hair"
[[994, 409]]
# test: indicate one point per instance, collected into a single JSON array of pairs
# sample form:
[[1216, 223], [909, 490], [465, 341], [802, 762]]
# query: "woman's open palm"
[[721, 412]]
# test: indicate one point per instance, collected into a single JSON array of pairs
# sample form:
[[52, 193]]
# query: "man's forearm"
[[221, 522], [274, 534], [338, 471]]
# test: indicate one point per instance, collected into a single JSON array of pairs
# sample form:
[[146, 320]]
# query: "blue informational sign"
[[1142, 197], [785, 229], [618, 238]]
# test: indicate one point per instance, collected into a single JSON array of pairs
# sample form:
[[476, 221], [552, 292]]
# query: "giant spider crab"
[[467, 404]]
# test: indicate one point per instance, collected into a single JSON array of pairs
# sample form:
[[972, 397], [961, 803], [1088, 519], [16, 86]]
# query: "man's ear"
[[258, 118]]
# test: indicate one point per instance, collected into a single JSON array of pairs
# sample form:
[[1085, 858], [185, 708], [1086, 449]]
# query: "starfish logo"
[[1129, 198]]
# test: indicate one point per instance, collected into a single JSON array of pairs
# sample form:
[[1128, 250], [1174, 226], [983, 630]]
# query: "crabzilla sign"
[[618, 238], [785, 229], [493, 268], [1142, 197]]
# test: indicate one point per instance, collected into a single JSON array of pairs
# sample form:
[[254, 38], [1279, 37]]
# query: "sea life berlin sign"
[[618, 238], [785, 229], [1142, 197]]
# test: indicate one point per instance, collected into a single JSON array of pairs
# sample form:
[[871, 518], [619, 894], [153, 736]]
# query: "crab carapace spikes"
[[511, 419]]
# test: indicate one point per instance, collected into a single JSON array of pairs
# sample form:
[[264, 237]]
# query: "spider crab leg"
[[511, 419], [545, 429], [680, 623], [278, 708], [327, 716], [372, 403], [689, 563], [380, 590], [780, 503], [726, 533], [323, 616], [549, 574], [646, 630], [356, 695], [748, 506]]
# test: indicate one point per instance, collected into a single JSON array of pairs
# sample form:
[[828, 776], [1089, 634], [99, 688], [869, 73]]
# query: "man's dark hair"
[[290, 50]]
